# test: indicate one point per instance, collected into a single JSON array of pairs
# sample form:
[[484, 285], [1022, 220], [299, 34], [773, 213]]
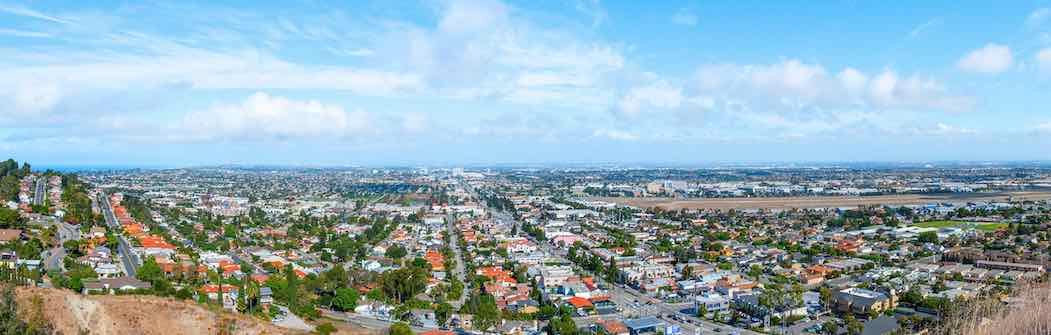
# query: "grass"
[[953, 223], [939, 224]]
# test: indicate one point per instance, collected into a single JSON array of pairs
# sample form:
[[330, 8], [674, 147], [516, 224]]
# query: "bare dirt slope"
[[71, 313]]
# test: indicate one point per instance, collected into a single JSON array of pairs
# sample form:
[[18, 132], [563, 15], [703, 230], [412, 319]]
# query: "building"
[[712, 302], [862, 301], [108, 285], [643, 325]]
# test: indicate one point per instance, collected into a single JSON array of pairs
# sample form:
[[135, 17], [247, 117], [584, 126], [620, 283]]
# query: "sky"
[[436, 82]]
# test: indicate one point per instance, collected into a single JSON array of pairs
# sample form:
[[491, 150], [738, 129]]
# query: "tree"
[[399, 328], [830, 327], [702, 311], [854, 327], [325, 328], [486, 314], [292, 290], [9, 218], [396, 252], [442, 313], [928, 237], [346, 299], [149, 271], [455, 290]]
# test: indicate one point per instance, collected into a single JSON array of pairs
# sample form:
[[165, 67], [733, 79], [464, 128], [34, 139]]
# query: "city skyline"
[[503, 82]]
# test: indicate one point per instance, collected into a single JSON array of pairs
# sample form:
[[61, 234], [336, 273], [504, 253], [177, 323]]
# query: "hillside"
[[1027, 313], [71, 313]]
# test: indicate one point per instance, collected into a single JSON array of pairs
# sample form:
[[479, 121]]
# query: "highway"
[[128, 259]]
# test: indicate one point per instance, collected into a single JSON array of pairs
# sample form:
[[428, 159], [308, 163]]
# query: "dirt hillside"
[[71, 313]]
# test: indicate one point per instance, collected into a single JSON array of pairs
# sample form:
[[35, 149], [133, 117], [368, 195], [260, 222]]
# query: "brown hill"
[[71, 313]]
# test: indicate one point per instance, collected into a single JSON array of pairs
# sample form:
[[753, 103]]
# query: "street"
[[128, 259], [40, 195], [66, 232], [450, 224]]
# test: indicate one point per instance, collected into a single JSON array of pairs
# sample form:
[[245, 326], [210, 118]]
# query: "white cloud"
[[34, 99], [888, 90], [659, 95], [1038, 17], [942, 129], [614, 134], [202, 69], [471, 16], [1043, 127], [990, 59], [25, 33], [854, 82], [262, 116], [1043, 58], [415, 122], [22, 11], [924, 27], [684, 17], [794, 84], [594, 10]]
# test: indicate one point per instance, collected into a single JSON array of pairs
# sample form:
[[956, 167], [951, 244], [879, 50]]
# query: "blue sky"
[[487, 81]]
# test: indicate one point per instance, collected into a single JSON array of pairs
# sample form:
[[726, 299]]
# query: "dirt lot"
[[71, 313], [824, 202]]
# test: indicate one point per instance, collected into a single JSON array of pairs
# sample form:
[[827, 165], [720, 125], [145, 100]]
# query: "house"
[[108, 285], [712, 302], [613, 327], [643, 325], [862, 301], [749, 303], [8, 235], [881, 325], [582, 306], [512, 327], [266, 295]]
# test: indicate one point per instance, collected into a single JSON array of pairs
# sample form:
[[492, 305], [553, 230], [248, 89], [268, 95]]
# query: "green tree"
[[927, 237], [399, 328], [292, 290], [9, 218], [854, 327], [346, 299], [442, 313], [455, 290], [396, 252], [487, 315], [325, 329], [149, 271], [830, 327]]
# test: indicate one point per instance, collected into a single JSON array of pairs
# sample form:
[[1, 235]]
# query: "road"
[[53, 258], [40, 195], [450, 226], [366, 321], [129, 260], [291, 321]]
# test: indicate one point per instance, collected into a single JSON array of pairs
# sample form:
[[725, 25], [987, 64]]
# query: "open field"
[[986, 226], [825, 201]]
